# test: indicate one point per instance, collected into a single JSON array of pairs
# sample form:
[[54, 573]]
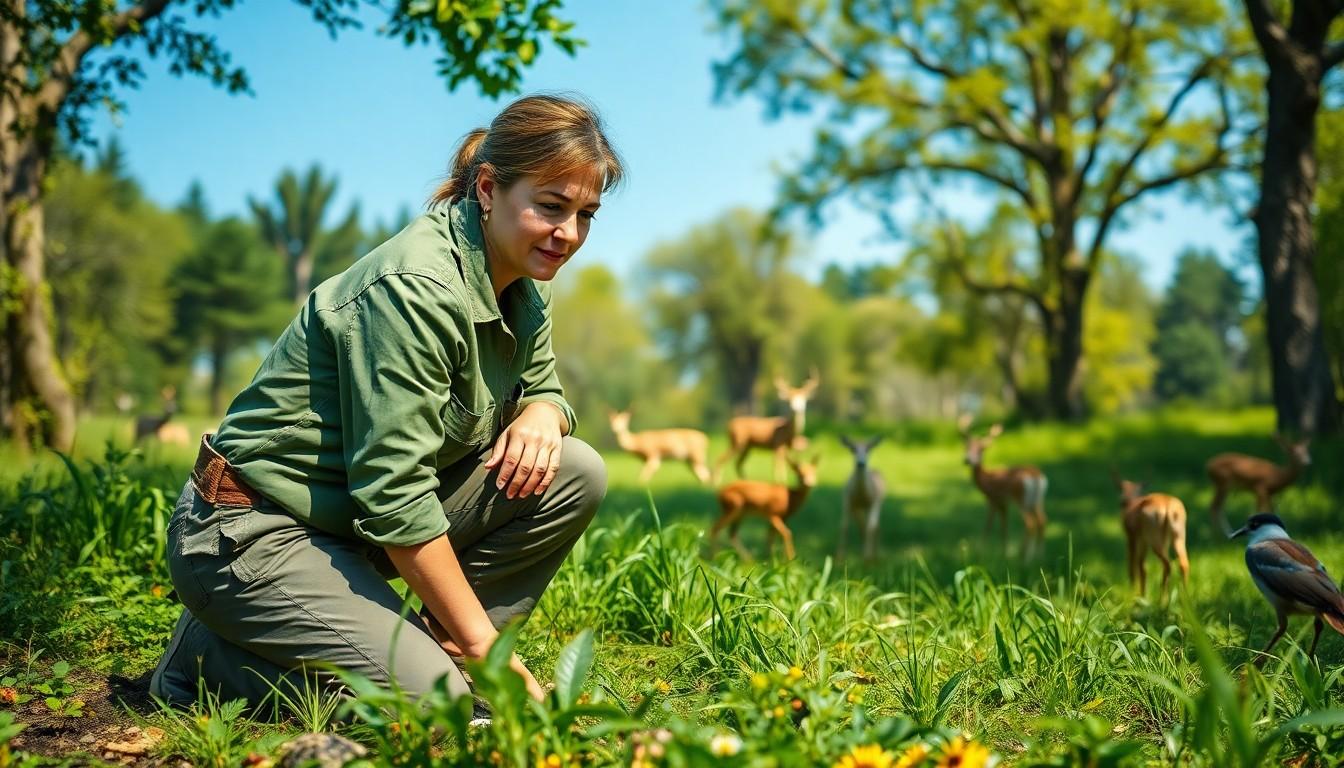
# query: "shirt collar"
[[524, 309]]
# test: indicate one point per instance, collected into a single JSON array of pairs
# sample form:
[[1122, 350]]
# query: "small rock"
[[87, 738], [137, 743], [325, 750]]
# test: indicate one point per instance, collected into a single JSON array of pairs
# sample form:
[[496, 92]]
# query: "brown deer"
[[1024, 486], [776, 433], [163, 428], [1239, 472], [862, 498], [776, 503], [654, 445], [1153, 521]]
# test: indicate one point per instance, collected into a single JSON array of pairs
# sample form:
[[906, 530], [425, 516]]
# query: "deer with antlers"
[[775, 433], [1239, 472], [1152, 521], [776, 503], [654, 445], [1023, 486], [862, 498]]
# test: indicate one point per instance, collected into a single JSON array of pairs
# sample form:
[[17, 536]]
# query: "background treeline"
[[146, 298]]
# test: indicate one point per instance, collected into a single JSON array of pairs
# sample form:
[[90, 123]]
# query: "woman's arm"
[[432, 571]]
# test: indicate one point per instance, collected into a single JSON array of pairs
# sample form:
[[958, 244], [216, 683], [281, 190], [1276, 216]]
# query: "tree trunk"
[[303, 276], [35, 371], [218, 357], [741, 368], [1304, 393], [1064, 347]]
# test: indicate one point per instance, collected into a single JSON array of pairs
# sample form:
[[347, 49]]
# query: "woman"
[[408, 422]]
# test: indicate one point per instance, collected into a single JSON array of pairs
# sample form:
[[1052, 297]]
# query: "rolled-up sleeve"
[[541, 384], [398, 354]]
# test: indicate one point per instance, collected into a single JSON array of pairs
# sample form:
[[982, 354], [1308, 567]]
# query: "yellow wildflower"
[[912, 757], [866, 756], [795, 674], [960, 753], [662, 686], [550, 761], [759, 681]]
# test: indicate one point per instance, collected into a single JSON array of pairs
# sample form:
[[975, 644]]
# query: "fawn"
[[1153, 521], [1022, 485], [653, 445], [1237, 471], [776, 503], [775, 433], [163, 428], [862, 498]]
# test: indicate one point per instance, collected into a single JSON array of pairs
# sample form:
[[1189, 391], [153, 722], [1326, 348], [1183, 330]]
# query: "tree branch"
[[1105, 99], [1269, 31], [67, 63]]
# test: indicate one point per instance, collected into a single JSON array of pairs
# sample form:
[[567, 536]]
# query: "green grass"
[[1049, 663]]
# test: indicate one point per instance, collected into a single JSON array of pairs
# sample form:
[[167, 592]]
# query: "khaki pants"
[[265, 595]]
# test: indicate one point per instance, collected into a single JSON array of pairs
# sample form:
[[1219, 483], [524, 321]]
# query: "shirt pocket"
[[467, 426]]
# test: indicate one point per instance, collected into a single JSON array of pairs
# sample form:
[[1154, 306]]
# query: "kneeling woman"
[[408, 422]]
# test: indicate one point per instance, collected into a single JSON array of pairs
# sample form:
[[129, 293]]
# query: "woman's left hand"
[[528, 451]]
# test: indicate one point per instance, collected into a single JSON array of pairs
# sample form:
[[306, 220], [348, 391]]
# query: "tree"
[[109, 255], [718, 295], [1074, 111], [1330, 239], [223, 299], [1119, 361], [1299, 56], [1198, 325], [49, 81], [292, 224]]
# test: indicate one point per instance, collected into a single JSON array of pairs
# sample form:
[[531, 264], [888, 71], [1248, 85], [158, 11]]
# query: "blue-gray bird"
[[1290, 577]]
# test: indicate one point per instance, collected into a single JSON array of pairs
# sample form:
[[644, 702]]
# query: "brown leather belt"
[[218, 483]]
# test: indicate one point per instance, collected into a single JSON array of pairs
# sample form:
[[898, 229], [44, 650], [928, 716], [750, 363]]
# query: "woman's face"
[[533, 229]]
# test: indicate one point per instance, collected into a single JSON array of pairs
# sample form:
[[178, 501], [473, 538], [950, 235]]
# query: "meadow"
[[947, 650]]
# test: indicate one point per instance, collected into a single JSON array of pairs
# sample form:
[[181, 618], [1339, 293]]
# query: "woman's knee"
[[584, 474]]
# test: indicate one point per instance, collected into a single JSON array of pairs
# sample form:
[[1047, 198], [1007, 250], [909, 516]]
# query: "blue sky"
[[375, 114]]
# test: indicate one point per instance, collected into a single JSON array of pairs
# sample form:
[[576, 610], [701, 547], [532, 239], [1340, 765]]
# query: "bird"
[[1290, 577]]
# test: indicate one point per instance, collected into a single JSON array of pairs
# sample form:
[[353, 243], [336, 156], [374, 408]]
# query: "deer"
[[776, 433], [1153, 521], [776, 503], [862, 498], [1024, 486], [1237, 471], [653, 445], [163, 428]]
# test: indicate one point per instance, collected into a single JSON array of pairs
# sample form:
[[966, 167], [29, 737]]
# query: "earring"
[[485, 215]]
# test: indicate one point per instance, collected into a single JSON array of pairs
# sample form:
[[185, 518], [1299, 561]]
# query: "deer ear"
[[995, 430]]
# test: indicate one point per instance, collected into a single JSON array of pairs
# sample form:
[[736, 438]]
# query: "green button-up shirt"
[[394, 369]]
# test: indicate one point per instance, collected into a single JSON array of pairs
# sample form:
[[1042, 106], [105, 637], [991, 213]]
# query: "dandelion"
[[759, 681], [795, 674], [662, 686], [961, 753], [550, 761], [912, 757], [866, 756], [725, 745]]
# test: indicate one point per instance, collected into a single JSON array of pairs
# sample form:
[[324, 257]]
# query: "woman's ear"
[[486, 186]]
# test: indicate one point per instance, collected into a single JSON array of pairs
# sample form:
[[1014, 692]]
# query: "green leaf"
[[571, 668]]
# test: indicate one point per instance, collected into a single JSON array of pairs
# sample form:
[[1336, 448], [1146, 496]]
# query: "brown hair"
[[547, 136]]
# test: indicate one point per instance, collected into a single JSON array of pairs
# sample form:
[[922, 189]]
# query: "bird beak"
[[1236, 533]]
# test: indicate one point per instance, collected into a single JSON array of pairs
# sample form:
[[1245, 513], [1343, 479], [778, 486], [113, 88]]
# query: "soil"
[[109, 731]]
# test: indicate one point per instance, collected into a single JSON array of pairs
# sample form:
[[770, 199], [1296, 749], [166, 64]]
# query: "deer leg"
[[742, 460], [785, 534], [701, 471], [1283, 627], [1263, 502], [1316, 637], [651, 465], [737, 542], [1182, 560], [1166, 571], [870, 532], [780, 452], [1216, 509]]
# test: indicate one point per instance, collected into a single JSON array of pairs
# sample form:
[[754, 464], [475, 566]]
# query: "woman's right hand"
[[451, 647]]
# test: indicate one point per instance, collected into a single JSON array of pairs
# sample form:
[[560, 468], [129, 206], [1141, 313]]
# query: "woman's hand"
[[528, 451], [451, 646]]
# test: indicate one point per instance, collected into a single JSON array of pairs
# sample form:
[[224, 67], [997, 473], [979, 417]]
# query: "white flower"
[[725, 745]]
